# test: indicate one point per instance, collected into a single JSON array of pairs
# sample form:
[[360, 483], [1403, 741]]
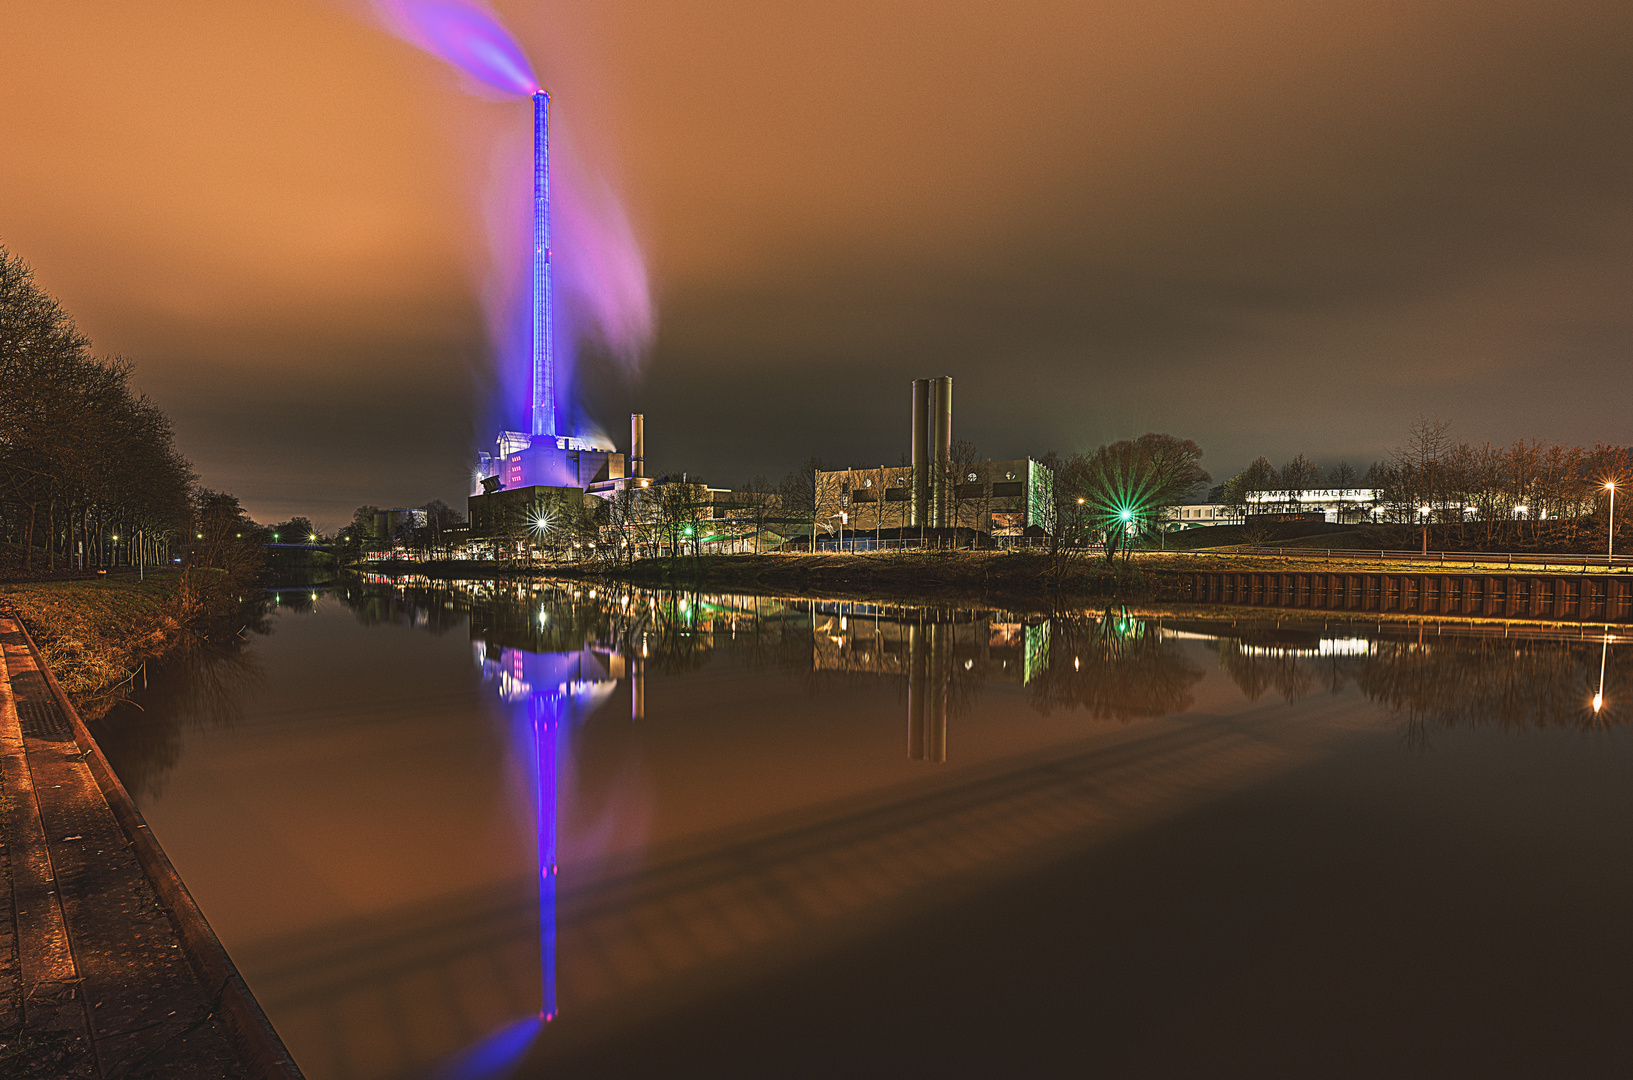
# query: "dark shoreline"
[[1004, 579]]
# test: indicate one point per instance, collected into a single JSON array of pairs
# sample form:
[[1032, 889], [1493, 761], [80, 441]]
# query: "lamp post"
[[1610, 543]]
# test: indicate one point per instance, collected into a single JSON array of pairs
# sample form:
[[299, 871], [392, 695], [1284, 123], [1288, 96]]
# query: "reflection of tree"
[[1444, 680], [1116, 667], [204, 683], [1258, 669], [1465, 682]]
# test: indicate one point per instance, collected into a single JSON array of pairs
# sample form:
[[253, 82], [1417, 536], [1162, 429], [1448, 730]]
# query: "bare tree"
[[1419, 462], [1298, 477]]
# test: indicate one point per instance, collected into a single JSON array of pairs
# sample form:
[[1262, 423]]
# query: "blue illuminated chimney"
[[544, 372]]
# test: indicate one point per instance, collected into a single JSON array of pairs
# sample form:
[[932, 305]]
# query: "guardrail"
[[1441, 558]]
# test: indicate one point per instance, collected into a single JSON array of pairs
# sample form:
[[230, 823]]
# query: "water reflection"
[[790, 770], [1427, 675], [548, 694], [205, 682]]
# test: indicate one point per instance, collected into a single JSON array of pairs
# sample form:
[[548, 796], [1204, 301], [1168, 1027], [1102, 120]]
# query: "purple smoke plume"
[[468, 36], [602, 291]]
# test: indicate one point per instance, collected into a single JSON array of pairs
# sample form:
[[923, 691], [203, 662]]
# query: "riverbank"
[[1003, 578], [96, 633], [109, 969]]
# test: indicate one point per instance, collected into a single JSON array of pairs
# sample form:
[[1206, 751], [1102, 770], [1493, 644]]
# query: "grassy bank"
[[95, 633]]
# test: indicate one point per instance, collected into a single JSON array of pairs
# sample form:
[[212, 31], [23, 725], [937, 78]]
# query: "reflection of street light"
[[1599, 698]]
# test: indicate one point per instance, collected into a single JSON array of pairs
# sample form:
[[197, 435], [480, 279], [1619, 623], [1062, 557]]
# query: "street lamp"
[[1610, 544]]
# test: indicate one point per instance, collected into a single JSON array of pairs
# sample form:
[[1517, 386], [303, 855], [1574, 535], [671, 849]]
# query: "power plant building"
[[935, 498]]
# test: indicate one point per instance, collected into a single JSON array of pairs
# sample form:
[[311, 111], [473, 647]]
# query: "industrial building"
[[934, 499], [543, 478], [532, 496]]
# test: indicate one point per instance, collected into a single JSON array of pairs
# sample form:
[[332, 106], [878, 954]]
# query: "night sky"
[[1272, 227]]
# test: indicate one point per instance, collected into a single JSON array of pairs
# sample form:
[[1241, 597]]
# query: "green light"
[[1128, 515]]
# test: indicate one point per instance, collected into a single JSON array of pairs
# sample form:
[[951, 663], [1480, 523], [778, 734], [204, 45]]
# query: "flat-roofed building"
[[1196, 515], [1004, 503], [1339, 505]]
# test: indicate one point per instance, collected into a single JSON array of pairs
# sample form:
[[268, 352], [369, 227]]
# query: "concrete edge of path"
[[241, 1013]]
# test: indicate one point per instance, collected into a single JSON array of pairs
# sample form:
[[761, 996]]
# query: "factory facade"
[[935, 499], [548, 494]]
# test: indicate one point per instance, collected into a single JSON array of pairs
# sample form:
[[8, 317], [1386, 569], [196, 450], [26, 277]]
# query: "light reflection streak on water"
[[547, 694]]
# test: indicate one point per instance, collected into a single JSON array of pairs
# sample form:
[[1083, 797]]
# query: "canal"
[[721, 835]]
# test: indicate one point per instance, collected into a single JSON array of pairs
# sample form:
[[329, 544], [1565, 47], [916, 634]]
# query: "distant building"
[[1196, 515], [391, 525], [1339, 505]]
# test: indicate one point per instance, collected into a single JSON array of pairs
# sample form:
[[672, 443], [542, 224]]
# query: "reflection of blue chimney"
[[549, 692], [544, 373], [547, 716]]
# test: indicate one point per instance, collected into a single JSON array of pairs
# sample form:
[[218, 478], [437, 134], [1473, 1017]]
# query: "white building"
[[1339, 505], [1196, 515]]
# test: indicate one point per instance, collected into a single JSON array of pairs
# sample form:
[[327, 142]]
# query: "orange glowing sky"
[[1274, 227]]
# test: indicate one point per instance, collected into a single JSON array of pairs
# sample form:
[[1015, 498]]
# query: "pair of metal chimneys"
[[932, 453]]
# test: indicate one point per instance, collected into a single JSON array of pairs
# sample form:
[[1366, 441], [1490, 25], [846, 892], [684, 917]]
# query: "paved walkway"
[[96, 980]]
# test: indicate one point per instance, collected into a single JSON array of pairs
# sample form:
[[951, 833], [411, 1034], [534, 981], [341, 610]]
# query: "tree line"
[[89, 471], [1528, 490]]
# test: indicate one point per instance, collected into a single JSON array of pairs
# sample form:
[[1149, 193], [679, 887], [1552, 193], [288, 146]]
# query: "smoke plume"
[[603, 295]]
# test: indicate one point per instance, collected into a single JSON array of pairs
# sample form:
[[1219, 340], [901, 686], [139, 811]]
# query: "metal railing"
[[1509, 560]]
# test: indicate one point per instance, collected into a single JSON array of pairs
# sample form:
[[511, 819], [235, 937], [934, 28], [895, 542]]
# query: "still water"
[[721, 835]]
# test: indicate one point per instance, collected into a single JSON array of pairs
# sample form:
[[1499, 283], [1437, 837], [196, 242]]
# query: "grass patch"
[[95, 633]]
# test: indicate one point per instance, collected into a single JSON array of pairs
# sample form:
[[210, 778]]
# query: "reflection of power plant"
[[929, 666], [941, 654]]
